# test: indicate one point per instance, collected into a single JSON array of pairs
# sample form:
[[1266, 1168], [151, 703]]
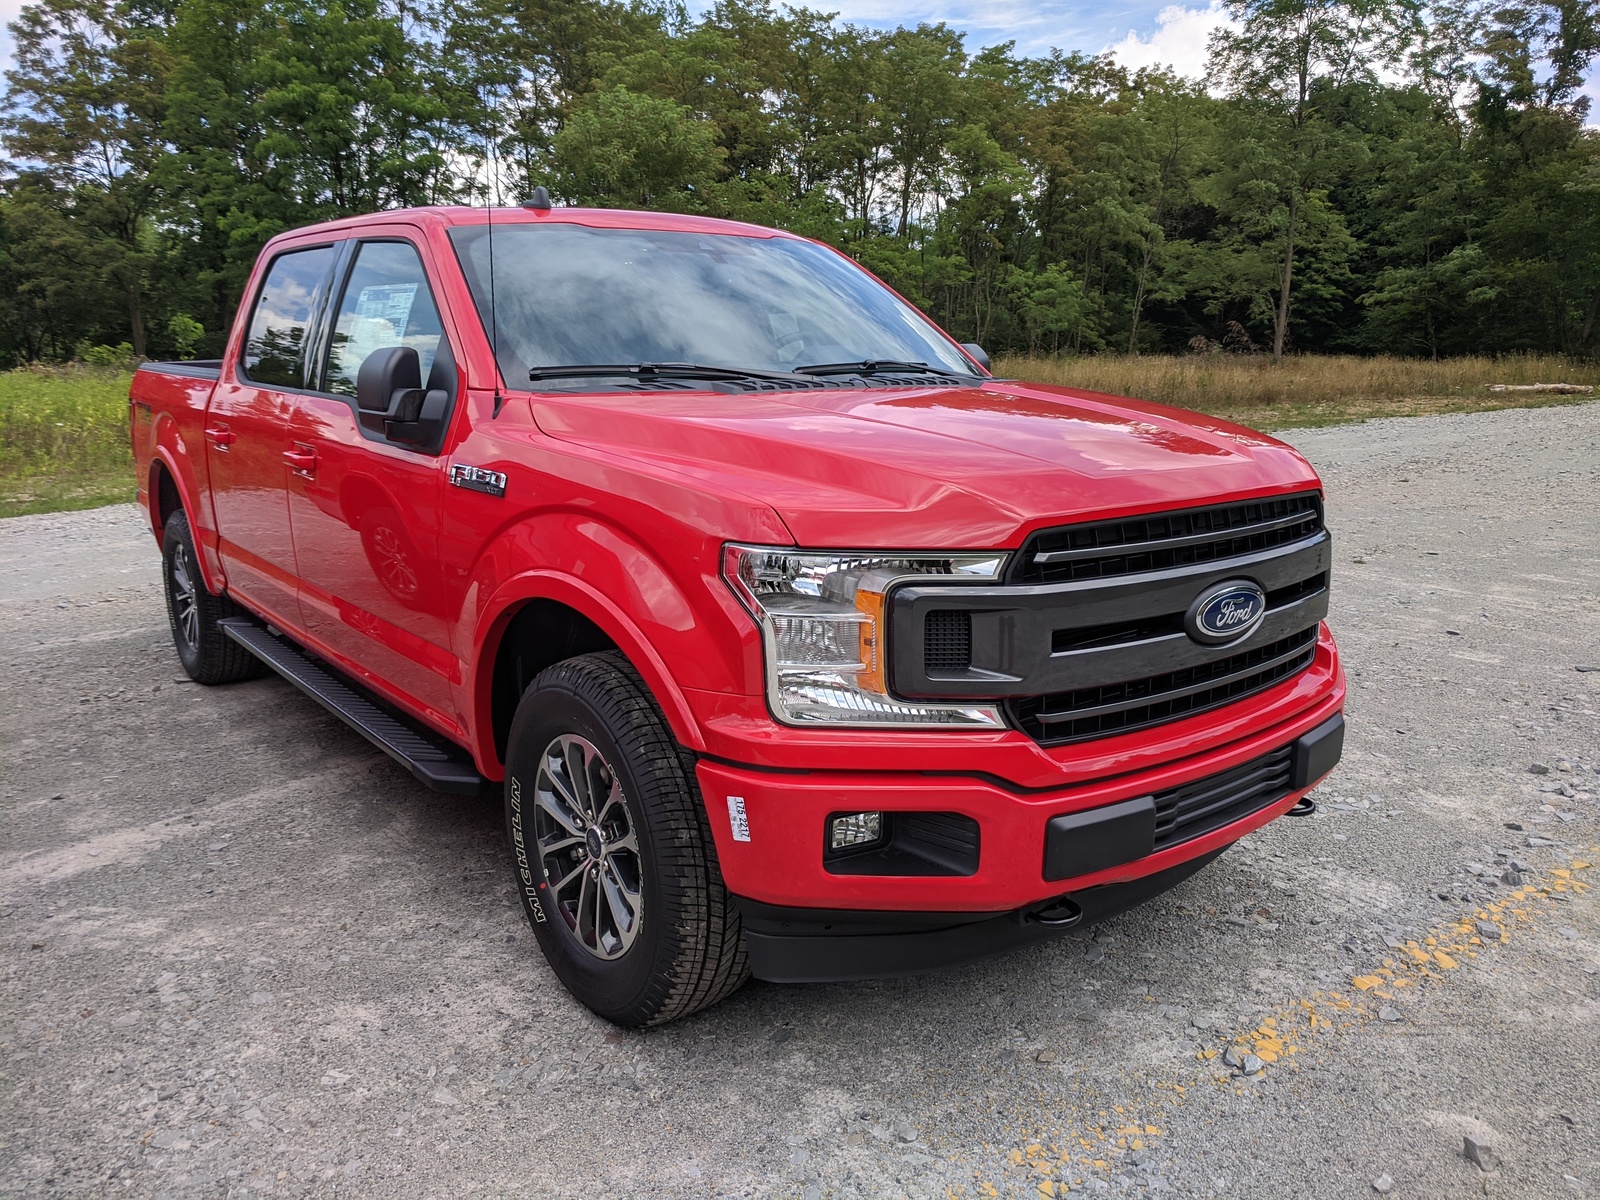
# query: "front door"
[[365, 510], [247, 434]]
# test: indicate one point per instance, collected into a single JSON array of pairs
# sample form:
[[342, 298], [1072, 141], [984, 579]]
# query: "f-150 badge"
[[478, 479]]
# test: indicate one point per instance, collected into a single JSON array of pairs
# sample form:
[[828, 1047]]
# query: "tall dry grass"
[[64, 430], [63, 439], [1319, 388]]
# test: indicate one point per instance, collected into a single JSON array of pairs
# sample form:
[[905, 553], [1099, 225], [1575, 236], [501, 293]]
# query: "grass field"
[[1320, 390], [64, 430], [63, 439]]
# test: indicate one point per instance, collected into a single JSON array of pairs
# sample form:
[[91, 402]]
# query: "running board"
[[434, 760]]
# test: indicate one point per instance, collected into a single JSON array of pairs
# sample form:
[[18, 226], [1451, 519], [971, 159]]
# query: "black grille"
[[947, 642], [1197, 808], [1099, 549], [1120, 707]]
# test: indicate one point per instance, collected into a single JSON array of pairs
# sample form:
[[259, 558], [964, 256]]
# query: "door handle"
[[221, 436], [302, 459]]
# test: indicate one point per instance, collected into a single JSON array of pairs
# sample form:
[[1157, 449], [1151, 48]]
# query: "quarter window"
[[386, 303], [274, 351]]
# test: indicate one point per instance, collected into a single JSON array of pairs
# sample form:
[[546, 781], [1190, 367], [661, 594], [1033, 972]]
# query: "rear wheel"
[[615, 862], [207, 654]]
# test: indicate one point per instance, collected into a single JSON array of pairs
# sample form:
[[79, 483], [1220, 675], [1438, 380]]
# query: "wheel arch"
[[164, 497], [539, 619], [170, 493]]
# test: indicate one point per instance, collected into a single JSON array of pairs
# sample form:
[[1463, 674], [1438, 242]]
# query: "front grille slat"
[[1194, 809], [1104, 549], [1048, 557], [1206, 681], [1137, 704]]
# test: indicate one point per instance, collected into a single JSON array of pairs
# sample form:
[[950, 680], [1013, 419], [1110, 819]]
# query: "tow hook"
[[1058, 913], [1303, 807]]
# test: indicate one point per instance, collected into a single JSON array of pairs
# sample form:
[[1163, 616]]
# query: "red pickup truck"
[[801, 645]]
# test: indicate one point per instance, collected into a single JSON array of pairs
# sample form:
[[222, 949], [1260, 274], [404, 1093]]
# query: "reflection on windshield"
[[567, 295]]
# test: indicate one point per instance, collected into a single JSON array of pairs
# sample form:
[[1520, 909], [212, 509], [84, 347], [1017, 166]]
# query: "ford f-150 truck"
[[800, 645]]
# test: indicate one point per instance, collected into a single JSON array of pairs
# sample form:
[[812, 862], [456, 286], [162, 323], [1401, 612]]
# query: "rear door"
[[365, 509], [248, 453]]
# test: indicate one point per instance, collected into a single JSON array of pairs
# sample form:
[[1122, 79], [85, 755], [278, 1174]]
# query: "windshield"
[[568, 295]]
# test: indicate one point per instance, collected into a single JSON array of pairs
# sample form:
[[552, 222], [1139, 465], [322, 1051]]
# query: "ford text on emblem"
[[1226, 612]]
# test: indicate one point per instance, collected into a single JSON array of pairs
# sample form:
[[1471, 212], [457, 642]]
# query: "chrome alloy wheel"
[[588, 848], [185, 602]]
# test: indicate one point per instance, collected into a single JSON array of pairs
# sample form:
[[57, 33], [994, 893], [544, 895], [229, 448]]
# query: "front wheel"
[[614, 858]]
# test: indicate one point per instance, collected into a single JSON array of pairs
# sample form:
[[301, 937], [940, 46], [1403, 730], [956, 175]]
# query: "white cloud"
[[1034, 25], [1179, 40]]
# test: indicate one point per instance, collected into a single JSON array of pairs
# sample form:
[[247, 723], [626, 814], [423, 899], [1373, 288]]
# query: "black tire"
[[207, 654], [686, 950]]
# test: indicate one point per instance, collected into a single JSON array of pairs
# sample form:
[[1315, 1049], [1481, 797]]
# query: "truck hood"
[[940, 467]]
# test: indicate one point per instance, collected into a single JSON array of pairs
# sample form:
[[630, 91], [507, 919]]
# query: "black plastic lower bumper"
[[811, 945]]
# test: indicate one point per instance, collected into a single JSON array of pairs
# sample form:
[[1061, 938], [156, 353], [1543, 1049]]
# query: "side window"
[[274, 352], [386, 302]]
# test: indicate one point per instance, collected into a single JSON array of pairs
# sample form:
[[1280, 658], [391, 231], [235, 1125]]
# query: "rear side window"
[[274, 352], [386, 302]]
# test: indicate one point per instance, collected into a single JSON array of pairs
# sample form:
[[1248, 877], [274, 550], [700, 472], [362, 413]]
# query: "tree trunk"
[[1589, 321], [1280, 327], [136, 317], [1138, 297]]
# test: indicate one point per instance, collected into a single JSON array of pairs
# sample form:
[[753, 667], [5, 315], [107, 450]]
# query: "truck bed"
[[198, 368]]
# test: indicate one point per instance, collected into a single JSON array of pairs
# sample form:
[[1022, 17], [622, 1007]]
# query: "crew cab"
[[799, 645]]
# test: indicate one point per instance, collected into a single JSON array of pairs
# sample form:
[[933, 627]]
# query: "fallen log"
[[1550, 389]]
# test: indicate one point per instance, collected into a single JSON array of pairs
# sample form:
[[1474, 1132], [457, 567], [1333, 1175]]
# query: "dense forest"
[[1352, 175]]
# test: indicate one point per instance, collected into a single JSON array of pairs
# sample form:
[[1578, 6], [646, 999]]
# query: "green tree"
[[51, 296], [1052, 306], [1282, 62], [1174, 127], [1361, 174], [631, 151], [921, 105], [85, 100]]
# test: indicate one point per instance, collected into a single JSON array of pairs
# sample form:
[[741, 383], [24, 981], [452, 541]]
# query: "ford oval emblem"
[[1226, 612]]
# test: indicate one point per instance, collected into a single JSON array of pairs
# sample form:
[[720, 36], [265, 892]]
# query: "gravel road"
[[246, 955]]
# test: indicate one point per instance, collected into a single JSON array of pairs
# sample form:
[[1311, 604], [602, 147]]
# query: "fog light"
[[854, 829]]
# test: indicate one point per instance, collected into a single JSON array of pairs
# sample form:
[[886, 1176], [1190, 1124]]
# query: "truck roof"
[[449, 216]]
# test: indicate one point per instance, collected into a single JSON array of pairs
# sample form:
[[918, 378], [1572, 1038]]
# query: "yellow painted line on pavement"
[[1418, 963], [1049, 1163]]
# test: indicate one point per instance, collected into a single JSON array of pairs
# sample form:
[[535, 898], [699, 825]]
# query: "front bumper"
[[804, 921]]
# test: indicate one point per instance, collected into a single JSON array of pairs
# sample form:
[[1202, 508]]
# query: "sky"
[[1139, 32]]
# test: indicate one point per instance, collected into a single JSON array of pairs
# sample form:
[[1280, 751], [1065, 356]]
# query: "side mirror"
[[391, 398], [389, 381], [977, 352]]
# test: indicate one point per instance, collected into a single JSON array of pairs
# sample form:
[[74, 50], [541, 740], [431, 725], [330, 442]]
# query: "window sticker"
[[389, 302]]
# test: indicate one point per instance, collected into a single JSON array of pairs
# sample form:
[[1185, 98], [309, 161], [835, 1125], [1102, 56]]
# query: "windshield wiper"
[[668, 370], [880, 366]]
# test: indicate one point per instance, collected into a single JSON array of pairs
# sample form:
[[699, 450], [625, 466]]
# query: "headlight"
[[822, 624]]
